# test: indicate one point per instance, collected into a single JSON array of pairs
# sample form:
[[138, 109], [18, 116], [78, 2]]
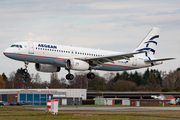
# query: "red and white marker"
[[49, 105], [49, 101]]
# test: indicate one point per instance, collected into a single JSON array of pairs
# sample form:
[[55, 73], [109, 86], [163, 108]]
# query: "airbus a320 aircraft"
[[51, 57]]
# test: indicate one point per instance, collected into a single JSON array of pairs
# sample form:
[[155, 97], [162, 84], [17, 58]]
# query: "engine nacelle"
[[47, 68], [77, 64]]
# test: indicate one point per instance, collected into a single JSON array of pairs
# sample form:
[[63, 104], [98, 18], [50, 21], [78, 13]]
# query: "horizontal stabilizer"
[[156, 60]]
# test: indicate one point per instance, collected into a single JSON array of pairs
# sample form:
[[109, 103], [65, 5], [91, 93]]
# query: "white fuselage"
[[53, 54]]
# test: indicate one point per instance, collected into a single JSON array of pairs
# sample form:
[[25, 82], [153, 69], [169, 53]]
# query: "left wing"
[[109, 58]]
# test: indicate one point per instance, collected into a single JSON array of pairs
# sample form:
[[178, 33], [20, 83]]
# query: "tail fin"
[[149, 43]]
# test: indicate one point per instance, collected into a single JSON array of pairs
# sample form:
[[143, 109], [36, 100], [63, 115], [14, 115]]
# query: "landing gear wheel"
[[90, 75], [69, 76], [26, 65], [25, 71]]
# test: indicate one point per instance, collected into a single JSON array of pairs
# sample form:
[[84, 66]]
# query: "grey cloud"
[[116, 25]]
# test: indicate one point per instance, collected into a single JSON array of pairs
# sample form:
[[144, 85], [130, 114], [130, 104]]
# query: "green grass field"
[[22, 113]]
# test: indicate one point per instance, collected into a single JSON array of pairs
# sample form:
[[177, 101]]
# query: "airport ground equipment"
[[54, 106]]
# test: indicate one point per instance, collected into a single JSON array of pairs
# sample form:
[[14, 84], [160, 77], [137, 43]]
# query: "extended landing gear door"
[[31, 48]]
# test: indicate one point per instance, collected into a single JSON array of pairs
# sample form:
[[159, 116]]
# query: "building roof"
[[168, 96]]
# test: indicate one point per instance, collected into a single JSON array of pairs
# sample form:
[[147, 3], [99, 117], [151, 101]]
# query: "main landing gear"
[[69, 76], [26, 65], [90, 75]]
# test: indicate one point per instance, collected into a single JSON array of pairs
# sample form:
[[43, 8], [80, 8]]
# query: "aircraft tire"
[[25, 71], [90, 75], [69, 76]]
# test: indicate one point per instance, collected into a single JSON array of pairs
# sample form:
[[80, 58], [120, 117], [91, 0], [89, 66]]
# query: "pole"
[[49, 100]]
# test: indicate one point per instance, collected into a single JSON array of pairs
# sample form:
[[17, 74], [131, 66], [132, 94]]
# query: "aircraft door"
[[134, 61], [72, 53], [31, 48], [76, 53]]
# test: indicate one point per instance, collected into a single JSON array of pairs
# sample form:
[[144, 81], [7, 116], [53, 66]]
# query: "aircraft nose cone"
[[6, 51]]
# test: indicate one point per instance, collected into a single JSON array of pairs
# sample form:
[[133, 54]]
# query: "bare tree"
[[79, 81], [36, 81], [63, 83], [54, 82], [11, 80], [171, 80], [2, 83], [109, 76], [124, 85]]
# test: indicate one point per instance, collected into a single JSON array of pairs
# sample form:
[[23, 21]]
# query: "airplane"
[[52, 57]]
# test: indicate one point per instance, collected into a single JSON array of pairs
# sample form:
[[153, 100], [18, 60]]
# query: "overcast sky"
[[117, 25]]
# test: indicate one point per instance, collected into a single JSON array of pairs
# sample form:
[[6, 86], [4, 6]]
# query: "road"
[[117, 108]]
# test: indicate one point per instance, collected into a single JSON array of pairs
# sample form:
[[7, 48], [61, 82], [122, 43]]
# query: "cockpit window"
[[13, 45], [18, 46]]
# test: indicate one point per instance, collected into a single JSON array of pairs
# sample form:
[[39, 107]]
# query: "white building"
[[39, 96]]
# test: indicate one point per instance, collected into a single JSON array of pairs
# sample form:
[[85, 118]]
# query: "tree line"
[[150, 80]]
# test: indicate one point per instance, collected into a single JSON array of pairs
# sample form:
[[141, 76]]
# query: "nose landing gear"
[[26, 65]]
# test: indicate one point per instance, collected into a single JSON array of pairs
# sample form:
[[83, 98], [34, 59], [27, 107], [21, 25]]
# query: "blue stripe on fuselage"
[[38, 59], [62, 62]]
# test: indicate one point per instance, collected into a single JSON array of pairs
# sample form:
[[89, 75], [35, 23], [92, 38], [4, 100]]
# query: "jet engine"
[[47, 68], [77, 64]]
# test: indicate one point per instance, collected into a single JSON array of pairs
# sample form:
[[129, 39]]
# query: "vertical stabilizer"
[[149, 43]]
